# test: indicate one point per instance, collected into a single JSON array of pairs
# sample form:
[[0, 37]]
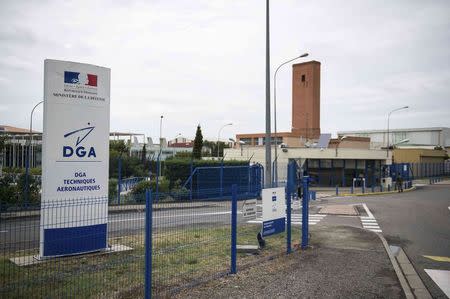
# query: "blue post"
[[288, 219], [27, 182], [119, 178], [157, 178], [305, 212], [351, 189], [363, 186], [190, 180], [148, 244], [221, 178], [248, 180], [233, 228], [337, 190], [289, 190]]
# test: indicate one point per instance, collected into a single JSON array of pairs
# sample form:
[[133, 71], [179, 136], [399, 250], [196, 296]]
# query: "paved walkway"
[[343, 262]]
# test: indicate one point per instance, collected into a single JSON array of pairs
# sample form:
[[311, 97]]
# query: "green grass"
[[180, 256]]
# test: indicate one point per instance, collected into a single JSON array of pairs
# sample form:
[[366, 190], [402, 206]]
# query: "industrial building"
[[426, 138]]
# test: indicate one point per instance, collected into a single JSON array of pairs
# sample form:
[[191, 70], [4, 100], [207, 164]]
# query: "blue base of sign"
[[74, 240], [274, 226]]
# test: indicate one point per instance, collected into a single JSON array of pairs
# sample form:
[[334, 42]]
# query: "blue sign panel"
[[274, 226]]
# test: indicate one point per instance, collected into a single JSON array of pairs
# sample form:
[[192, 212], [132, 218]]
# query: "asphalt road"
[[417, 221], [23, 233]]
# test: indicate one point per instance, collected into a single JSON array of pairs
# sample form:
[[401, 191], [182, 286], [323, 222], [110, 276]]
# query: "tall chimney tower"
[[306, 99]]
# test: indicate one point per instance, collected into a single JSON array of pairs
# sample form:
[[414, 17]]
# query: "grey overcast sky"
[[203, 61]]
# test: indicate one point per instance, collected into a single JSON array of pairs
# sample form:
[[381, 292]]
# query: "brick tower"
[[306, 99]]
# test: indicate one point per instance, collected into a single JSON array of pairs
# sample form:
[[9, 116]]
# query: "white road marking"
[[367, 211], [175, 216], [441, 278], [369, 222], [372, 227]]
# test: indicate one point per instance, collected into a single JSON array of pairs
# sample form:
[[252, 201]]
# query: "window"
[[325, 163], [313, 163], [248, 141], [303, 78]]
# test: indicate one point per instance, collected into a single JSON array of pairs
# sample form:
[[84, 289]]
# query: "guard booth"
[[401, 169]]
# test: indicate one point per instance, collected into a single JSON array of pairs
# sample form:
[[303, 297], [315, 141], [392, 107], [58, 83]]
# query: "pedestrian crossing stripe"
[[438, 258]]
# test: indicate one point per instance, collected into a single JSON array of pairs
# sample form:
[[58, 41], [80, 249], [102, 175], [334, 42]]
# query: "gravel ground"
[[343, 262]]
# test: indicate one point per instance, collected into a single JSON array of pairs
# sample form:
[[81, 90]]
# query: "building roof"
[[181, 144], [394, 130], [125, 134], [15, 130], [256, 135]]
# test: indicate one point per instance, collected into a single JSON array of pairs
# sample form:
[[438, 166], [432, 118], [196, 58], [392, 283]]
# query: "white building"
[[416, 137]]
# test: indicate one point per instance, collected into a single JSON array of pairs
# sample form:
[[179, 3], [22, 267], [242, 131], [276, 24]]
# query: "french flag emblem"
[[80, 78]]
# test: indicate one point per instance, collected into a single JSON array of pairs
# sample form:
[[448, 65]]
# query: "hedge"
[[180, 169]]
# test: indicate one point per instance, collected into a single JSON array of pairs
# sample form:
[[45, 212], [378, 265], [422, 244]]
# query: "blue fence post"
[[363, 186], [221, 178], [119, 179], [148, 243], [191, 178], [289, 190], [233, 269], [27, 178], [337, 190], [305, 212]]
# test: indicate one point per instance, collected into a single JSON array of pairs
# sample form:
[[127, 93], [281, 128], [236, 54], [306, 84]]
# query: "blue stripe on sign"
[[74, 240], [71, 77], [274, 226]]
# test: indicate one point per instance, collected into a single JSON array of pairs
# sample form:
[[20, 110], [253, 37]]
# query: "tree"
[[118, 146], [198, 144], [144, 154]]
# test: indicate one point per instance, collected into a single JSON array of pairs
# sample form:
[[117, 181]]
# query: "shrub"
[[112, 188], [144, 185]]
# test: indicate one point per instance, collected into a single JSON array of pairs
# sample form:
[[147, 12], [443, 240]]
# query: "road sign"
[[249, 209], [273, 211]]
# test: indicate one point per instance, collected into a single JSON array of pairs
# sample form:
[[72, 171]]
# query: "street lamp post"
[[339, 143], [268, 158], [27, 166], [275, 172], [218, 138], [389, 115]]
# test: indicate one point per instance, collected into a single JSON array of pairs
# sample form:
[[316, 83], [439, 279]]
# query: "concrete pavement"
[[418, 222], [343, 262]]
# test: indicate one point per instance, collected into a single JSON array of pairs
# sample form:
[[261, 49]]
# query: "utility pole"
[[268, 166]]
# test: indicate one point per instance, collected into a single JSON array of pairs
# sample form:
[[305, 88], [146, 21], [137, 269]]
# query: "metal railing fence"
[[159, 240]]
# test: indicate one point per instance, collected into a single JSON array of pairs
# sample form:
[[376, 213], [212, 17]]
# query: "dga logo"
[[79, 150], [80, 78]]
